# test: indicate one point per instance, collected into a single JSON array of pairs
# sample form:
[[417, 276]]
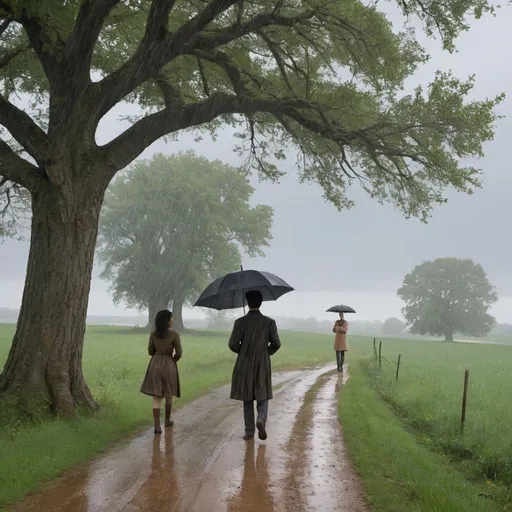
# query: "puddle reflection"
[[254, 494]]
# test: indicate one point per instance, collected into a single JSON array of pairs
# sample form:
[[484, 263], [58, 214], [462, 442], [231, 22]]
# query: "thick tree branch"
[[158, 19], [235, 31], [81, 42], [198, 23], [26, 132], [170, 92], [126, 147], [156, 49], [17, 169], [42, 40]]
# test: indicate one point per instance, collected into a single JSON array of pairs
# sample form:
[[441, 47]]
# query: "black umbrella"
[[340, 308], [228, 292]]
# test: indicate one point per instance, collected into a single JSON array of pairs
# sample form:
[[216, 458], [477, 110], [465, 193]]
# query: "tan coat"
[[254, 339], [162, 378], [340, 340]]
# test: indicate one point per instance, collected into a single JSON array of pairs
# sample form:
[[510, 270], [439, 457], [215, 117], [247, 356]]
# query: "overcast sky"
[[360, 256]]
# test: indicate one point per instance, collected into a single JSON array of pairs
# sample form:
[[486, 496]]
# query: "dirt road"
[[202, 464]]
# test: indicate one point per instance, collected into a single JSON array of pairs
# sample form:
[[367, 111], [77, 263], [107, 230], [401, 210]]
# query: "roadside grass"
[[39, 448], [404, 436]]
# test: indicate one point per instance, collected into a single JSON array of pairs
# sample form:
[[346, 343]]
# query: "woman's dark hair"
[[162, 320]]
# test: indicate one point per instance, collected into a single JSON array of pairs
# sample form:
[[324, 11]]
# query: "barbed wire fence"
[[378, 358]]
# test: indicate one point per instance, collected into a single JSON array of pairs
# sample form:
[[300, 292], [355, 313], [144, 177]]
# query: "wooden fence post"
[[380, 354], [374, 350], [464, 401], [398, 365]]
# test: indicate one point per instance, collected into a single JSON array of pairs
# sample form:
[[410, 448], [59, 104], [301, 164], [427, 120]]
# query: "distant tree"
[[219, 319], [393, 326], [171, 225], [446, 296]]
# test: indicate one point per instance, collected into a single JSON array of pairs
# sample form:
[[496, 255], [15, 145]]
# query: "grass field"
[[404, 436], [115, 361], [429, 465]]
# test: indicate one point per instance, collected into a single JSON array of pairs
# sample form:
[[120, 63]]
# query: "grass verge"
[[115, 360], [399, 473]]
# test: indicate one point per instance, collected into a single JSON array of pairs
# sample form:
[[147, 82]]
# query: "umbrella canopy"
[[340, 308], [228, 292]]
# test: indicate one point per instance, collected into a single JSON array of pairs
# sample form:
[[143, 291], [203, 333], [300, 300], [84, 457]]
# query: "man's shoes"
[[262, 433], [248, 437]]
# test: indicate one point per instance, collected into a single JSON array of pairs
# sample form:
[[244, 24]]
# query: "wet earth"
[[202, 464]]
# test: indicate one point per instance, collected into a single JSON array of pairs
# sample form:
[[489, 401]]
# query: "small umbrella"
[[228, 292], [340, 308]]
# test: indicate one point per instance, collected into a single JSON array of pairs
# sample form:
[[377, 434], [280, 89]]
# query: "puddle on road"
[[202, 464], [333, 486]]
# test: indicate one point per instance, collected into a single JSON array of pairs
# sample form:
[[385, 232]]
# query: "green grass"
[[399, 473], [405, 435], [115, 361]]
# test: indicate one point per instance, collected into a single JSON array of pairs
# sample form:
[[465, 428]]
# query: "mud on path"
[[202, 464]]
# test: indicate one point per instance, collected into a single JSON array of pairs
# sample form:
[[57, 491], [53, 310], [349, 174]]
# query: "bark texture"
[[45, 360], [177, 314], [155, 305]]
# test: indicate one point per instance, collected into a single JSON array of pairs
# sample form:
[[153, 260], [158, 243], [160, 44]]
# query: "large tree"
[[172, 224], [446, 296], [325, 77]]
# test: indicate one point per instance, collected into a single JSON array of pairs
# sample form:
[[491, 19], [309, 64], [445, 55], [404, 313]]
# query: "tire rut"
[[203, 465]]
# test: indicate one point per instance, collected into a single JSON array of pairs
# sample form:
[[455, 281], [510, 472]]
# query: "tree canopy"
[[171, 225], [393, 326], [324, 77], [446, 296]]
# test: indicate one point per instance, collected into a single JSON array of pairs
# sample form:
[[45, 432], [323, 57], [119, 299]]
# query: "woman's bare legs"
[[168, 411], [157, 404]]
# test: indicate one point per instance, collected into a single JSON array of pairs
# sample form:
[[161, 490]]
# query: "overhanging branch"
[[236, 31], [129, 145], [17, 169], [26, 132]]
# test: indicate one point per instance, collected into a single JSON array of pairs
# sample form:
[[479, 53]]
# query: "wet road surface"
[[202, 464]]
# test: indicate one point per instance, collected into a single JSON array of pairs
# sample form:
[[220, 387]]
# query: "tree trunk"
[[156, 304], [45, 360], [448, 335], [177, 314]]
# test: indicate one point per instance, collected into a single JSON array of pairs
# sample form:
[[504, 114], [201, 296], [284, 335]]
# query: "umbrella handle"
[[243, 291]]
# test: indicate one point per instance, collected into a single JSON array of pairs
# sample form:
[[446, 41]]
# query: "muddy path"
[[202, 464]]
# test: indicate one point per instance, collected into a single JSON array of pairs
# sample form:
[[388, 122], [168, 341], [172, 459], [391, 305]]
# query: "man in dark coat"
[[254, 339]]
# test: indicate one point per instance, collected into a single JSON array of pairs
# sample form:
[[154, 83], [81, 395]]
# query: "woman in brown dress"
[[340, 340], [162, 379]]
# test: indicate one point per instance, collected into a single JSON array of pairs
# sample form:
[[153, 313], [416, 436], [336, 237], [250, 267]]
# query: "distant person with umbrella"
[[340, 330], [340, 340], [254, 339]]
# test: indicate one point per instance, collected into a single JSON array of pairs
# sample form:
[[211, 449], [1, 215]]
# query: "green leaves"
[[448, 295], [322, 78], [172, 224]]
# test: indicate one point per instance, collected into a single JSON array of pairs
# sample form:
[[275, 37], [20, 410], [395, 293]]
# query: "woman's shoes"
[[156, 419], [168, 421]]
